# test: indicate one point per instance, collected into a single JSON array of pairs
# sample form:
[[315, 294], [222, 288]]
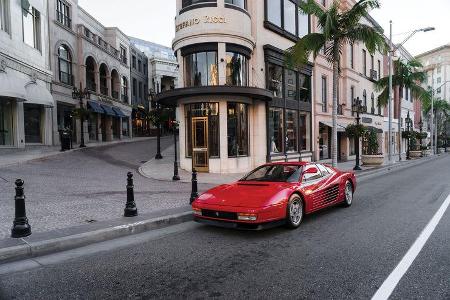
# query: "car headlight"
[[197, 211], [247, 217]]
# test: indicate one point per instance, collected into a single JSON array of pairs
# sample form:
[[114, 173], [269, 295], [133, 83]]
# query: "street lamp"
[[392, 50], [175, 177], [357, 107], [420, 138], [434, 143], [152, 95], [408, 128], [80, 94]]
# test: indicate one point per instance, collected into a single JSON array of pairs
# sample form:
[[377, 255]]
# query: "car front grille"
[[219, 214]]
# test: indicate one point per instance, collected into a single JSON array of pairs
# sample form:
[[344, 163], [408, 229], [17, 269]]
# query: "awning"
[[12, 86], [340, 128], [119, 113], [95, 107], [108, 110], [37, 94]]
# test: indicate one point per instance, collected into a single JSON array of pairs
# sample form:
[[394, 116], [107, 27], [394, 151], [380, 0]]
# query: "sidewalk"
[[13, 156]]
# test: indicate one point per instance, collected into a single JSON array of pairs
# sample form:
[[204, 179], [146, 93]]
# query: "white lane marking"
[[393, 279]]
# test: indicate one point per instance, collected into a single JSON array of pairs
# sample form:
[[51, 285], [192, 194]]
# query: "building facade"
[[359, 72], [26, 104], [237, 104], [139, 91], [85, 54]]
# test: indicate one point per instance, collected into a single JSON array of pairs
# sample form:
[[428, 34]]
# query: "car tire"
[[348, 194], [294, 211]]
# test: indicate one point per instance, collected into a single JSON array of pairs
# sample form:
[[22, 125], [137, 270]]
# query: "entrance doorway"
[[32, 117], [200, 156]]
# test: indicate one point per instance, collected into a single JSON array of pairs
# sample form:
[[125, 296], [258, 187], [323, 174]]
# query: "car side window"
[[323, 169], [312, 176]]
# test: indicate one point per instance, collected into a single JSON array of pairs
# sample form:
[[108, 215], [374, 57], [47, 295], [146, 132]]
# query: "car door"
[[330, 186], [311, 186]]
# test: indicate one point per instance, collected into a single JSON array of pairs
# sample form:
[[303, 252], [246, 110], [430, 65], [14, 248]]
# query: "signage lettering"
[[196, 21]]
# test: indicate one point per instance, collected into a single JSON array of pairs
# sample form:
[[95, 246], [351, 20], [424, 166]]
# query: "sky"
[[153, 20]]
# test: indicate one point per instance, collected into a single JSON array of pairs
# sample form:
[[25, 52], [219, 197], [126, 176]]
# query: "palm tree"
[[406, 74], [338, 28]]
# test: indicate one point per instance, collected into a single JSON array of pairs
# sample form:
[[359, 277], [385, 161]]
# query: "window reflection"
[[275, 79], [276, 130], [237, 69], [291, 130], [201, 69], [238, 3], [237, 125]]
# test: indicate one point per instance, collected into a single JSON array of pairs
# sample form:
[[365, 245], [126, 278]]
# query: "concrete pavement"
[[336, 254]]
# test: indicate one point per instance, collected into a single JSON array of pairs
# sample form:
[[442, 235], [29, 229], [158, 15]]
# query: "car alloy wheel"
[[294, 211], [348, 194]]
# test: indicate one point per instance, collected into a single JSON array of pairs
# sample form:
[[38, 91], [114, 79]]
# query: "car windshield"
[[275, 173]]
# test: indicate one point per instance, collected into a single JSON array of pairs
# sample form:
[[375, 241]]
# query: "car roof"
[[292, 163]]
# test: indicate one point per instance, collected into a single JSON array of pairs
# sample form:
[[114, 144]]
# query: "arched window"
[[124, 84], [65, 65]]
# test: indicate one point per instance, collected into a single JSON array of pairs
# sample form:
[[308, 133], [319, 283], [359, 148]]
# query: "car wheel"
[[348, 192], [294, 214]]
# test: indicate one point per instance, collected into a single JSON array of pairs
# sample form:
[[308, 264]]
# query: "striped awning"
[[95, 107], [119, 112]]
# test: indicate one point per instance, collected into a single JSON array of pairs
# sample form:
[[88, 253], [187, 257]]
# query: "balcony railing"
[[100, 42]]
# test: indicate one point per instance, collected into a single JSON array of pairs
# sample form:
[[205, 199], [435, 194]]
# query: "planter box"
[[415, 154], [441, 150], [372, 160], [426, 153]]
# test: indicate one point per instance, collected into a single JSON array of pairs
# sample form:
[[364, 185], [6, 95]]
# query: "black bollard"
[[194, 193], [130, 208], [20, 228]]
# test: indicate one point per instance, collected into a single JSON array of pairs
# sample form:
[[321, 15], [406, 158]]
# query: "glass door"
[[200, 157]]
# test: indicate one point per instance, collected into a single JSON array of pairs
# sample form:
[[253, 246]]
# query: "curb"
[[39, 248]]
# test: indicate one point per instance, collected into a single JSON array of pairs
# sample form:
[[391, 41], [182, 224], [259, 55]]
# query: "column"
[[221, 55]]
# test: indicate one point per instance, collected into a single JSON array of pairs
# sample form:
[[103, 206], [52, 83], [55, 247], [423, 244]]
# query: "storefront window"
[[352, 145], [238, 3], [276, 130], [6, 123], [305, 88], [237, 69], [305, 131], [237, 124], [186, 3], [125, 127], [210, 110], [32, 114], [292, 130], [291, 84], [275, 79], [201, 69], [92, 127]]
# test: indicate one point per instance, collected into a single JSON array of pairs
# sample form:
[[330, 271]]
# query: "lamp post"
[[408, 141], [357, 108], [175, 177], [392, 51], [80, 94], [152, 95], [420, 139]]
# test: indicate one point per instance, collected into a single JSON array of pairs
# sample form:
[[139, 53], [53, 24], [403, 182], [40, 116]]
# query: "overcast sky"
[[153, 20]]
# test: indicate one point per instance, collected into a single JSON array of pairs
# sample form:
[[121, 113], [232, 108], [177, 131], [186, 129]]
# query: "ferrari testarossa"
[[275, 194]]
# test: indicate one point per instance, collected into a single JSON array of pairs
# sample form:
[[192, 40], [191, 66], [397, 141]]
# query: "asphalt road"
[[339, 253]]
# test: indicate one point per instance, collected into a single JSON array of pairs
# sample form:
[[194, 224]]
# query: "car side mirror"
[[311, 171]]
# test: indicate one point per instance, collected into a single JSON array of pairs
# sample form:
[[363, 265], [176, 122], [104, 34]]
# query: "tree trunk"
[[334, 112]]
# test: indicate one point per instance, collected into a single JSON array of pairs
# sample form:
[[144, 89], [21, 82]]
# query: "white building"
[[86, 54], [26, 104]]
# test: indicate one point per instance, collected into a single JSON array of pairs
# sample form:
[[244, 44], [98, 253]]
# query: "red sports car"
[[274, 194]]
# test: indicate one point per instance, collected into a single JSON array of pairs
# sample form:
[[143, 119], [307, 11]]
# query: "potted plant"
[[371, 156], [415, 151]]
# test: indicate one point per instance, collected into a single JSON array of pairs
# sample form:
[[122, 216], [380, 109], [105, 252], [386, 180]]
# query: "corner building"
[[237, 105]]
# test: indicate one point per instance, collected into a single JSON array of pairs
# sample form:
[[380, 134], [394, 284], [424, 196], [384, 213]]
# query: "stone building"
[[85, 54], [26, 104], [139, 90], [237, 105]]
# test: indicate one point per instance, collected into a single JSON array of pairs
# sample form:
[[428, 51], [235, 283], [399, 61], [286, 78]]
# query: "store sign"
[[366, 120], [196, 21], [105, 100]]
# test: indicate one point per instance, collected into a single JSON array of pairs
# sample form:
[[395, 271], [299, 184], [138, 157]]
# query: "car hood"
[[243, 194]]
